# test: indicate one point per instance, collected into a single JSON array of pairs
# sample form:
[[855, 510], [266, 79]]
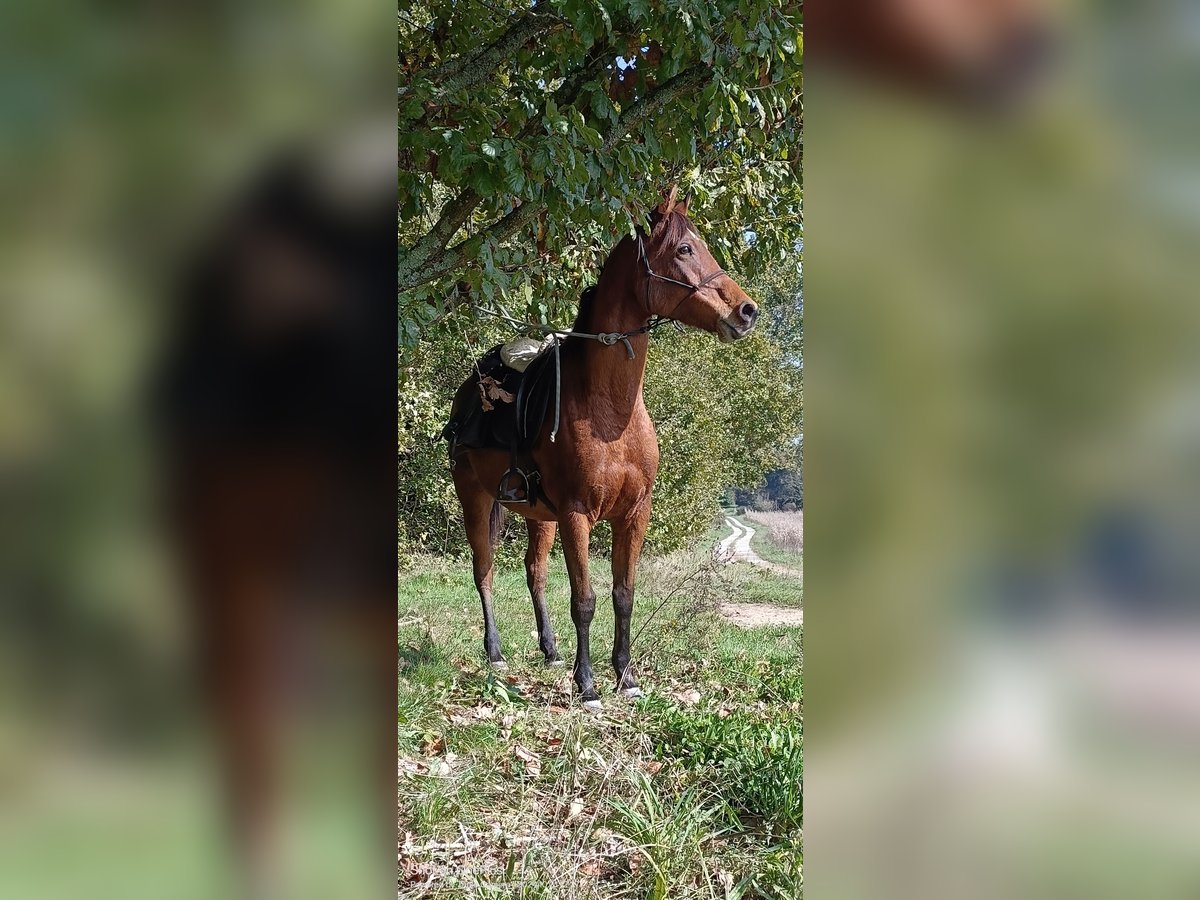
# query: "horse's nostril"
[[748, 312]]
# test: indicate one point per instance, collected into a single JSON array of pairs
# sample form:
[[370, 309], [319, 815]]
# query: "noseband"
[[651, 275]]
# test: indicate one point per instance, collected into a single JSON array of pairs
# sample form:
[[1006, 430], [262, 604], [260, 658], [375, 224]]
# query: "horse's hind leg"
[[483, 517], [628, 535], [537, 563]]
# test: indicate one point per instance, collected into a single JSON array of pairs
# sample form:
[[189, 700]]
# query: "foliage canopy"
[[530, 136]]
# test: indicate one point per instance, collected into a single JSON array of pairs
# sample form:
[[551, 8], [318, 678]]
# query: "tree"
[[530, 137]]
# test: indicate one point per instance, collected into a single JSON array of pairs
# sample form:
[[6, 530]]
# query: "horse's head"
[[682, 281]]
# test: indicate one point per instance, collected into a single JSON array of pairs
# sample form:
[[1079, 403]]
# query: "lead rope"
[[557, 390]]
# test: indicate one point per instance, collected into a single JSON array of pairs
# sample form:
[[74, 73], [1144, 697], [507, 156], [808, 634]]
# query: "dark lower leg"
[[583, 609], [541, 538], [576, 530], [622, 615], [546, 637], [491, 637], [626, 548]]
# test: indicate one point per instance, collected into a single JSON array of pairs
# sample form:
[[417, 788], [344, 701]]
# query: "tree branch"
[[671, 89], [415, 271], [466, 71], [413, 266]]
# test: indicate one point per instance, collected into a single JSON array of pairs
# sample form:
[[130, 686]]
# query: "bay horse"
[[602, 464]]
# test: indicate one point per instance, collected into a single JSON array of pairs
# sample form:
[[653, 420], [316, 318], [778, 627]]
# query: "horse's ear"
[[668, 203], [681, 207]]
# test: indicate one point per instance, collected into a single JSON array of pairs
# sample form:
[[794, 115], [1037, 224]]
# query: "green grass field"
[[507, 789]]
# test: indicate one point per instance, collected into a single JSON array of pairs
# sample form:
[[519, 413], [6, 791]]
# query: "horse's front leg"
[[575, 530], [628, 535]]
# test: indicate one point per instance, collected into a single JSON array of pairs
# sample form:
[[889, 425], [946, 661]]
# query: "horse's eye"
[[685, 249]]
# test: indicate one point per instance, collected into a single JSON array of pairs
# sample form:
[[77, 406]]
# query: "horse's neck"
[[611, 376]]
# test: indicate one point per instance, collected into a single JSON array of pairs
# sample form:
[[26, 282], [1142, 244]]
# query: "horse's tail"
[[495, 520]]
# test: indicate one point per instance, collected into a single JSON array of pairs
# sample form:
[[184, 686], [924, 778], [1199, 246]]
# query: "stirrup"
[[508, 492]]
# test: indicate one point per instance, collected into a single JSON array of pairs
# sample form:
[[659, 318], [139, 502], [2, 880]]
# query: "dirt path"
[[735, 547], [759, 615]]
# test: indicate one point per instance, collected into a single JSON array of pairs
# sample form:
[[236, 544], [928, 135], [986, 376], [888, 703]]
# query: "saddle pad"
[[499, 407]]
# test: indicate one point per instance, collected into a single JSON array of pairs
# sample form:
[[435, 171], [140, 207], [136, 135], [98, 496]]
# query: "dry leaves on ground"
[[531, 761]]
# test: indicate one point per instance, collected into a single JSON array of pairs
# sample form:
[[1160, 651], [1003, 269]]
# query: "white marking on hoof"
[[592, 706], [500, 665], [634, 691], [556, 663]]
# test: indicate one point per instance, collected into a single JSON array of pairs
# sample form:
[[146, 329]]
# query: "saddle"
[[501, 408]]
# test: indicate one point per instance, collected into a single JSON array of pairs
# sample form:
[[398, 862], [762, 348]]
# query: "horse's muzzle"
[[728, 332]]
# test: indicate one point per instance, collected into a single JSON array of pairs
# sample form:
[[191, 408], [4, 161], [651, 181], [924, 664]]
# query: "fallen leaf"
[[575, 809], [533, 763], [433, 745], [485, 712], [653, 766], [593, 868]]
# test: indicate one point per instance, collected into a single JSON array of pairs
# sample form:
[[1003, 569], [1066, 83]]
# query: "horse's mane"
[[587, 300]]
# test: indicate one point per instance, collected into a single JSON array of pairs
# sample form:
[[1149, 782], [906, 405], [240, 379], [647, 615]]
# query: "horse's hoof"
[[595, 707], [499, 665], [555, 663], [631, 692]]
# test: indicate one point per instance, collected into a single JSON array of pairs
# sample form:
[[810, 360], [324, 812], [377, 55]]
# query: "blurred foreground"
[[197, 444], [1003, 423]]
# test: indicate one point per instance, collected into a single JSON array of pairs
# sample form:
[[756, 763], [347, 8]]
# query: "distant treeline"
[[782, 489]]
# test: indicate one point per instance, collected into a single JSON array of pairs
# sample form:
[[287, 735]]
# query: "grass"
[[506, 789], [748, 584]]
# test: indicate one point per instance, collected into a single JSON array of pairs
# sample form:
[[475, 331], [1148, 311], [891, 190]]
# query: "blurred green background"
[[1001, 624], [124, 132]]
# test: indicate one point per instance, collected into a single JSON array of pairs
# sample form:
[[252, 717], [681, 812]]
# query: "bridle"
[[651, 275]]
